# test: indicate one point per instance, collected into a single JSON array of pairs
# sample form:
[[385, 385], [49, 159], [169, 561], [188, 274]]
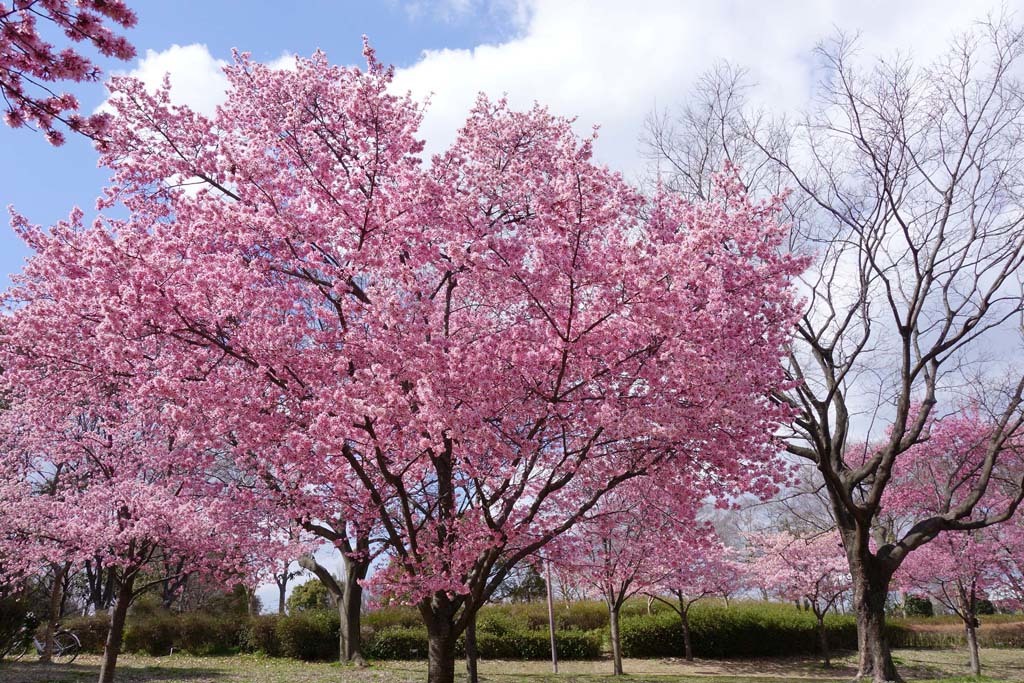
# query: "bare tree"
[[908, 193]]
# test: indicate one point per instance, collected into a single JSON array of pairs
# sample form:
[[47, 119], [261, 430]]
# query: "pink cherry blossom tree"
[[617, 549], [482, 348], [30, 66], [812, 569], [955, 569], [97, 479]]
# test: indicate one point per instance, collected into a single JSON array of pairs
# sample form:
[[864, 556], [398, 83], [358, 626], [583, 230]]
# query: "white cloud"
[[197, 78], [610, 63]]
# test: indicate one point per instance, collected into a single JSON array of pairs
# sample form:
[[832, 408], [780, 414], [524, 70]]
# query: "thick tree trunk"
[[118, 612], [684, 615], [348, 595], [613, 620], [471, 653], [351, 607], [56, 595], [871, 587], [971, 630], [282, 594], [823, 640], [441, 650]]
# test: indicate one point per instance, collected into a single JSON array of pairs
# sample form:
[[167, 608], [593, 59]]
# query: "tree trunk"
[[56, 595], [823, 640], [441, 650], [282, 594], [613, 620], [351, 606], [471, 654], [684, 615], [971, 630], [871, 587], [348, 595], [118, 612]]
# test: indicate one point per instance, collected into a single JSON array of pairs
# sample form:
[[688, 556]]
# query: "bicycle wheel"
[[16, 651], [65, 647]]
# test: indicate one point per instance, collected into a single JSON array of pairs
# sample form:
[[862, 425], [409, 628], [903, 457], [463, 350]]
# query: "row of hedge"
[[587, 615], [738, 632], [746, 629], [314, 636], [992, 635]]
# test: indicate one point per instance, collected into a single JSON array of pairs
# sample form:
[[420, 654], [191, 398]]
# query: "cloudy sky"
[[607, 62]]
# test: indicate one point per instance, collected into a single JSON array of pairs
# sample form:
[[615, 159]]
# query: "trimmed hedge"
[[993, 635], [195, 633], [519, 631], [397, 642], [155, 634], [204, 634], [91, 631], [388, 617], [744, 630], [260, 635], [536, 644], [309, 636]]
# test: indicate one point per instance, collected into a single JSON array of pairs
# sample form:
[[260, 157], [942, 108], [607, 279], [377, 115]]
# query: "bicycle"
[[66, 646]]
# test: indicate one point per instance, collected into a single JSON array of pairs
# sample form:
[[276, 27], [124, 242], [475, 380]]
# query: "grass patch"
[[919, 666]]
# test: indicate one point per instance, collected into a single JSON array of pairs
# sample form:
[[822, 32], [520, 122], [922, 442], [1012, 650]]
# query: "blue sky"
[[44, 182]]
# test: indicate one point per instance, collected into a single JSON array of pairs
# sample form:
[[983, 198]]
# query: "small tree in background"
[[311, 595], [811, 570], [694, 568]]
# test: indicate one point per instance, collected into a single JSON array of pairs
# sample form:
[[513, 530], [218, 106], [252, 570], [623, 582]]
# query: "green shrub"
[[497, 641], [205, 634], [984, 607], [514, 645], [91, 631], [388, 617], [918, 606], [991, 635], [536, 644], [578, 644], [582, 616], [309, 635], [396, 642], [155, 634], [260, 635], [744, 630], [12, 617], [496, 622]]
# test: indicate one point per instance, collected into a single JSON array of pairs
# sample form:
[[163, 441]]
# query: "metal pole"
[[551, 618]]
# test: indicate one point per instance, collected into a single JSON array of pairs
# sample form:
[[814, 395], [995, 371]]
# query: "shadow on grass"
[[36, 672]]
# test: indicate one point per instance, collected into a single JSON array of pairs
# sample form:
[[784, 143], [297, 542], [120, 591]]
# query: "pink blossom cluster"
[[29, 65]]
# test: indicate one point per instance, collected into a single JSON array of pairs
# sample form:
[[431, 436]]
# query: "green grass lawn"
[[916, 665]]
